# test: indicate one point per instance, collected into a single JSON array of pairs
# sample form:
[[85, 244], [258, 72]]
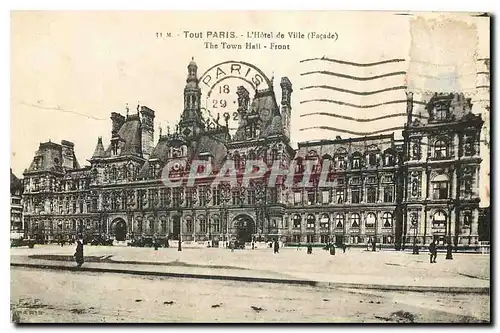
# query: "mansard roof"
[[99, 149], [15, 183], [129, 136]]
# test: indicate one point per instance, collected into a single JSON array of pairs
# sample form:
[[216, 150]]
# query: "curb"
[[440, 289]]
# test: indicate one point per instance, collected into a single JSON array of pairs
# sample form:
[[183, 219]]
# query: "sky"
[[70, 70]]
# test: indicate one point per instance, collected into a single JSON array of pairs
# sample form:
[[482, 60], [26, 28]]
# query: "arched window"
[[297, 219], [440, 149], [163, 220], [356, 161], [339, 157], [439, 219], [387, 219], [467, 219], [237, 160], [355, 219], [339, 220], [310, 221], [370, 220], [114, 173], [389, 159], [216, 223], [440, 187], [203, 224], [324, 222], [189, 224]]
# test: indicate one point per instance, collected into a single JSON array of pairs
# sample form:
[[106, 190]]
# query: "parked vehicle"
[[18, 242], [100, 240]]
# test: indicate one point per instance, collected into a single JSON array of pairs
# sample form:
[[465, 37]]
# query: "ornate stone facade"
[[384, 190]]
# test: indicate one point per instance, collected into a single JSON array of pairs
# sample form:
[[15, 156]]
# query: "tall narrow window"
[[339, 221], [203, 224], [297, 198], [310, 221], [355, 197], [356, 162], [324, 222], [440, 149], [355, 219], [388, 193], [339, 196], [371, 195], [189, 224], [325, 196], [297, 219]]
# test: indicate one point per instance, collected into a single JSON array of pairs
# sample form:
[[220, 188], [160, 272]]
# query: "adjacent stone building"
[[16, 207], [380, 189]]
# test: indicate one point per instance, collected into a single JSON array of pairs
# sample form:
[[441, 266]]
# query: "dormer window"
[[389, 160], [441, 112], [356, 162]]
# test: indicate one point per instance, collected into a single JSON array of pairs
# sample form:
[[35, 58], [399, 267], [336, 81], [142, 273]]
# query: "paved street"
[[83, 296], [354, 266], [52, 296]]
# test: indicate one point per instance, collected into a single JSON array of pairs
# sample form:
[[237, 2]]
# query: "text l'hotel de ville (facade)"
[[391, 191]]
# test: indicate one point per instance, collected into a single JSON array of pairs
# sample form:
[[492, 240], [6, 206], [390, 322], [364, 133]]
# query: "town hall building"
[[387, 191]]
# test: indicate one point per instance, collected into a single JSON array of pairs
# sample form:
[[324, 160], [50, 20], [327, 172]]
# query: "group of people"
[[275, 244]]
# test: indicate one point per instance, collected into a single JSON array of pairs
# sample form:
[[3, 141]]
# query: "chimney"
[[286, 104], [117, 121], [409, 107], [68, 154], [147, 131]]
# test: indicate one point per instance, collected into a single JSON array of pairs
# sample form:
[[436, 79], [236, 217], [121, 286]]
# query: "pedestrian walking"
[[343, 247], [79, 253], [433, 252], [253, 245], [276, 246], [309, 248], [298, 247], [332, 249]]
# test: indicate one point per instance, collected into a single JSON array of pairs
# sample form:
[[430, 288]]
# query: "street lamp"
[[179, 248], [449, 248], [414, 224]]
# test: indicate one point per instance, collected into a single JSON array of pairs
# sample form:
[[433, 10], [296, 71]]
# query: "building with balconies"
[[379, 190]]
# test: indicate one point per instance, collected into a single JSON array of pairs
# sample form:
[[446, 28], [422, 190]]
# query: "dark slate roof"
[[130, 137], [47, 155], [99, 149], [160, 151], [213, 146], [15, 183]]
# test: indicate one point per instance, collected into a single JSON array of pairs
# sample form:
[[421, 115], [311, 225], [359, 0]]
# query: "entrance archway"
[[245, 228], [120, 229]]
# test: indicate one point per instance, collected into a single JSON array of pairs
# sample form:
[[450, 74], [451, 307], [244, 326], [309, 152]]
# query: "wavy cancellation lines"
[[353, 98]]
